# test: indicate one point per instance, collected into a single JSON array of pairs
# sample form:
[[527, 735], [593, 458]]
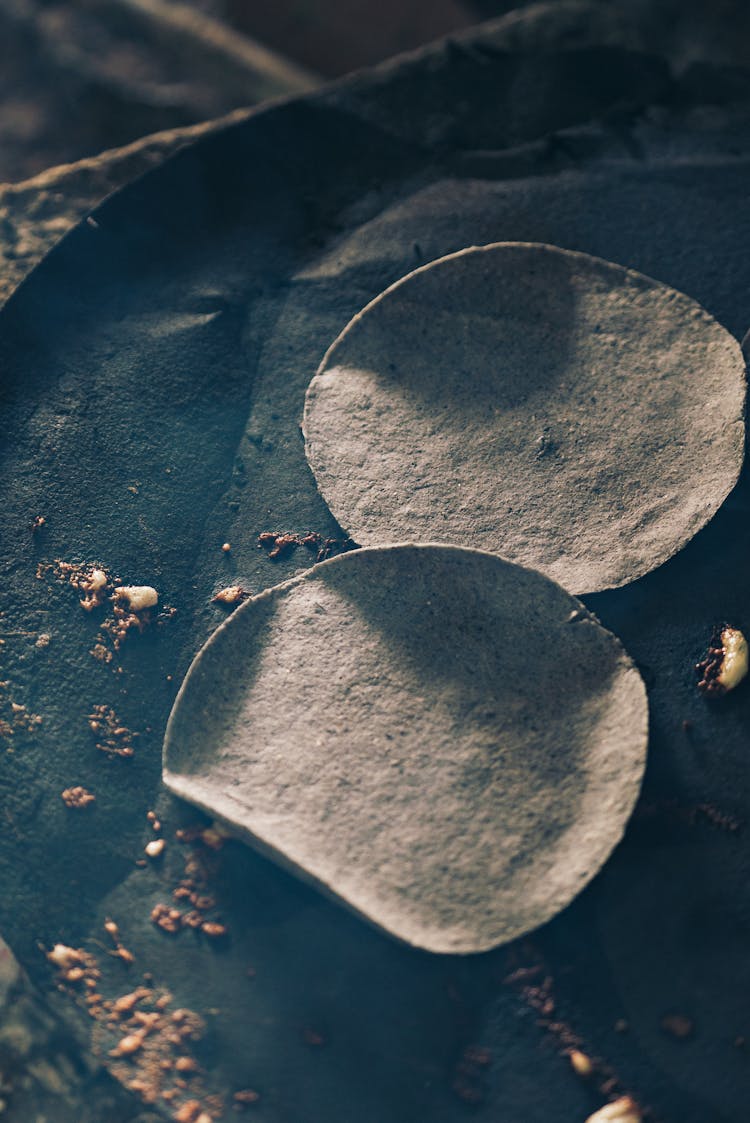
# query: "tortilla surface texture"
[[569, 414], [445, 742]]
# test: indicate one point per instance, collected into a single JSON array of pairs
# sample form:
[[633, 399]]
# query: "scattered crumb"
[[231, 595], [227, 547], [150, 1047], [137, 597], [726, 663], [677, 1025], [280, 545], [101, 653], [246, 1096], [623, 1110], [155, 848], [581, 1063], [65, 957], [536, 987], [38, 524], [15, 717], [113, 738], [43, 640], [77, 797]]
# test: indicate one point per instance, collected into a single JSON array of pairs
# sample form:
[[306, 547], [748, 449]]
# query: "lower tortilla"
[[449, 744]]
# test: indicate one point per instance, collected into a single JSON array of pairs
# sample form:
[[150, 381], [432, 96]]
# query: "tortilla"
[[570, 414], [449, 744]]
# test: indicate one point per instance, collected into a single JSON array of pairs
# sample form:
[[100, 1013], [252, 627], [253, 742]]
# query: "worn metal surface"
[[153, 375]]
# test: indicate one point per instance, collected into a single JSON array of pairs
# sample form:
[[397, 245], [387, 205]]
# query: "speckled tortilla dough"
[[565, 412], [449, 744]]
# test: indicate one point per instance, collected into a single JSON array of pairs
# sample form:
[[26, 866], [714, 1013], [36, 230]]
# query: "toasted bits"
[[191, 1112], [113, 738], [246, 1096], [581, 1063], [138, 597], [624, 1110], [726, 663], [128, 1045], [166, 918], [64, 957], [231, 595], [155, 848], [77, 797]]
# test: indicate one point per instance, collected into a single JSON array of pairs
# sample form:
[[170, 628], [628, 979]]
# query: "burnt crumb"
[[112, 737], [77, 797], [281, 545], [535, 986], [677, 1025], [725, 663], [469, 1073], [670, 811]]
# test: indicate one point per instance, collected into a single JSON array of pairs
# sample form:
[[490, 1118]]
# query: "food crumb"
[[623, 1110], [77, 797], [43, 640], [231, 595], [138, 597], [246, 1096], [155, 848], [227, 547], [677, 1025], [581, 1063], [113, 738], [726, 663]]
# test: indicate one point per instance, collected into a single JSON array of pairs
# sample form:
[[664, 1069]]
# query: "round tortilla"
[[565, 412], [447, 743]]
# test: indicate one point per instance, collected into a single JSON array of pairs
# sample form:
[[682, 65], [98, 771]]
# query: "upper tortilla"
[[570, 414], [449, 744]]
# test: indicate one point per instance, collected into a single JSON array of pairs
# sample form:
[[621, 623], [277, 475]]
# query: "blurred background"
[[79, 76]]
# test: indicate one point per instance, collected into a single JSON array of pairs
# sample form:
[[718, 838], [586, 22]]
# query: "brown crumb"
[[77, 797], [113, 738], [186, 1064], [213, 930], [246, 1096], [231, 595], [38, 524], [101, 653], [581, 1063], [128, 1045], [166, 918], [677, 1025], [280, 545]]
